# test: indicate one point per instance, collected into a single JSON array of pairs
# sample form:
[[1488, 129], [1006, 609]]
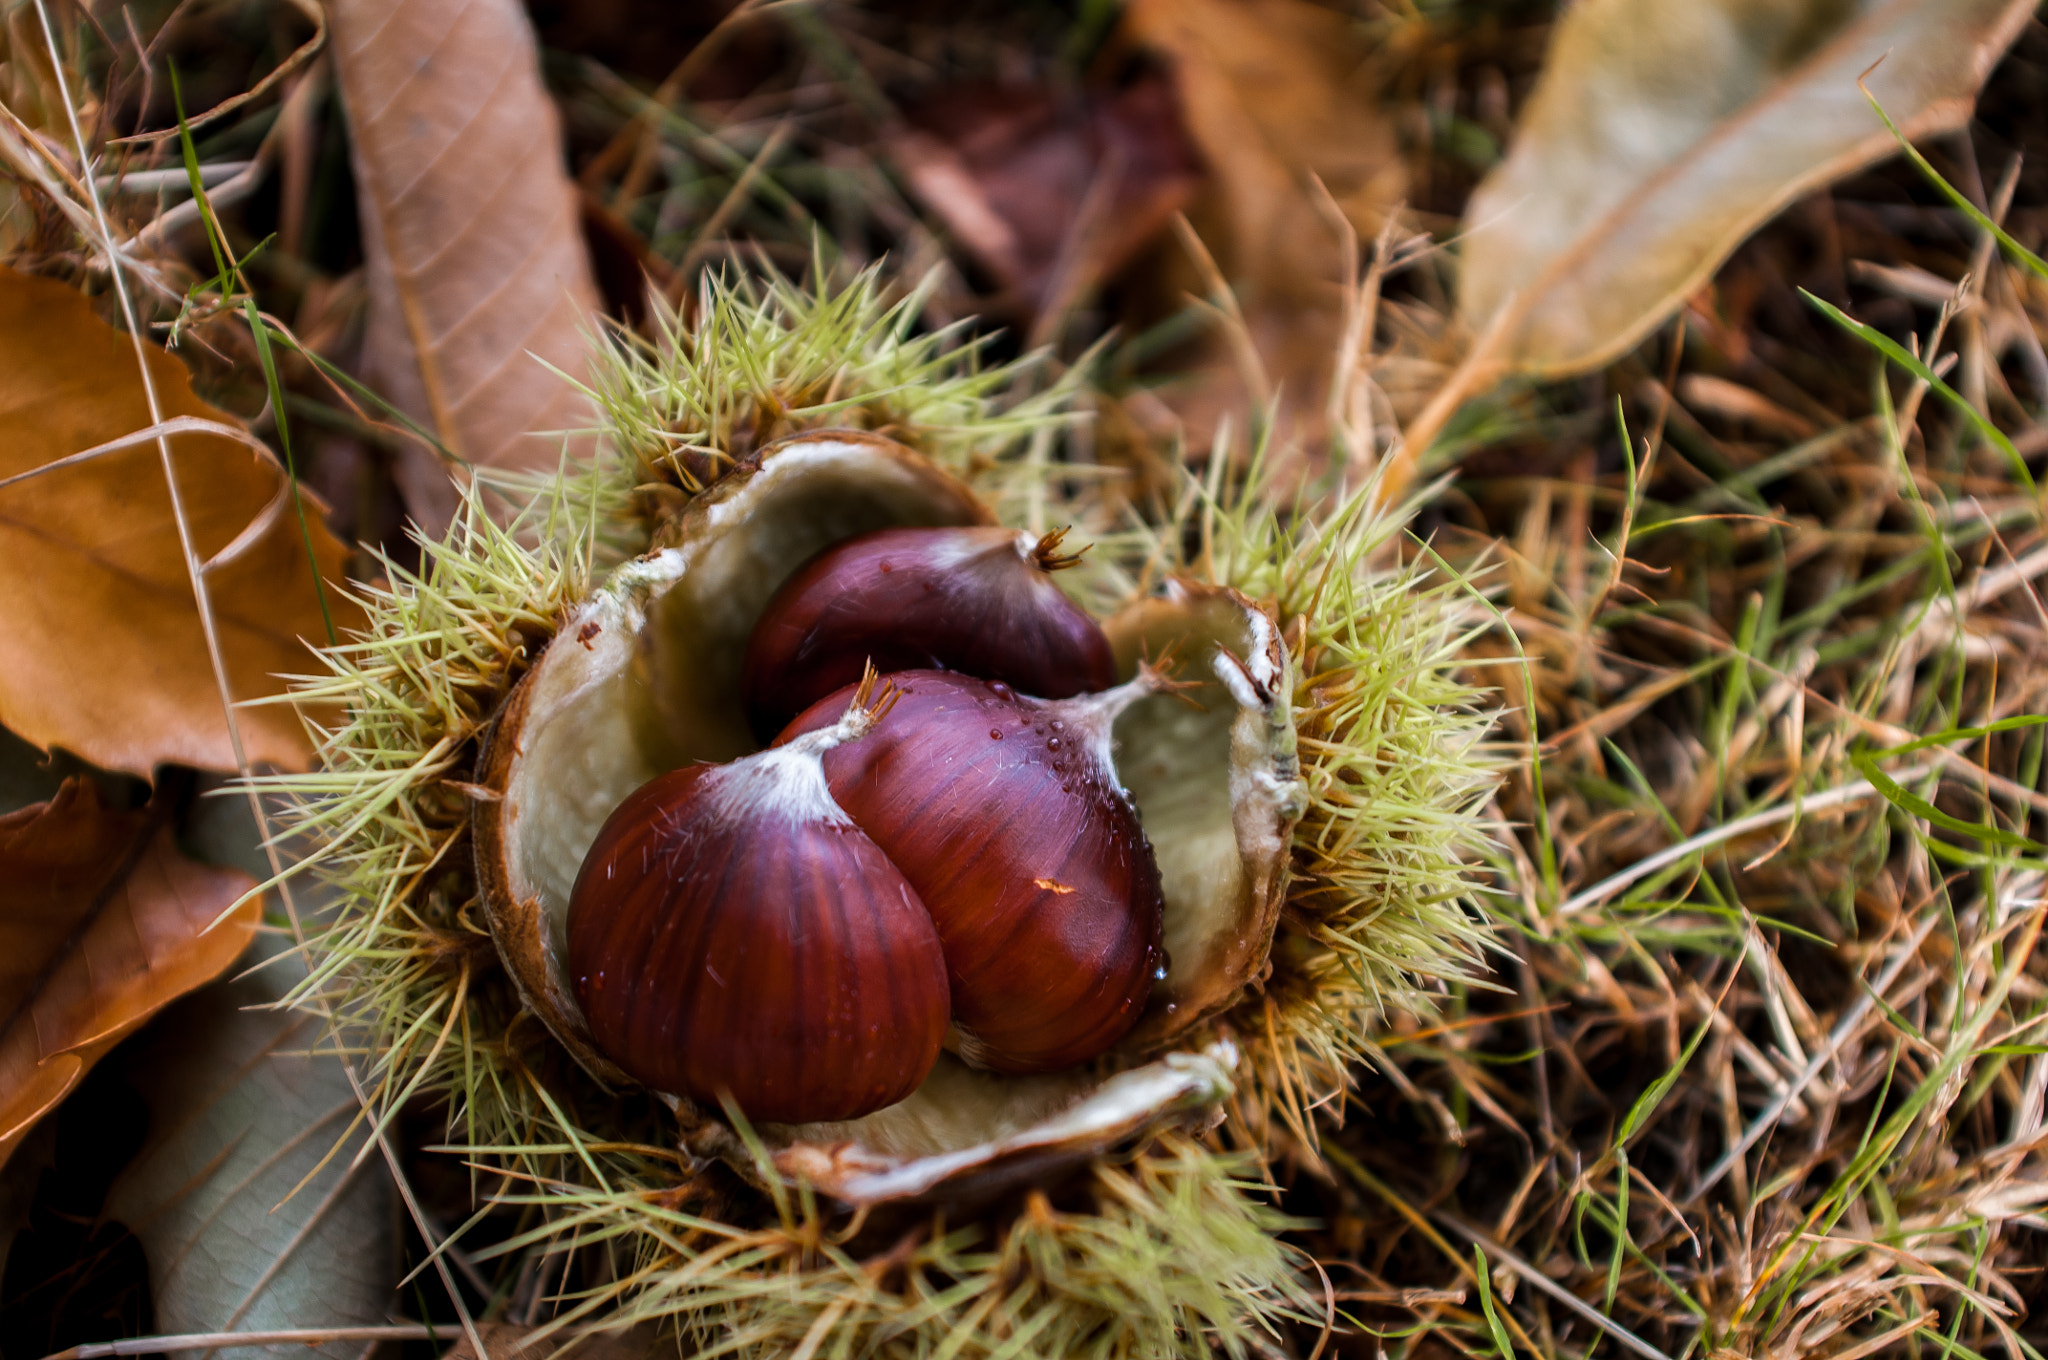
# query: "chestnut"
[[976, 600], [1005, 814], [732, 932]]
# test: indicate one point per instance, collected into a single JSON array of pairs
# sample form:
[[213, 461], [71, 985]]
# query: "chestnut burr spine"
[[1005, 815], [732, 931], [980, 601]]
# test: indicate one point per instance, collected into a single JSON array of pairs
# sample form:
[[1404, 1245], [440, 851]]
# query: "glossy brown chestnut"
[[980, 601], [732, 931], [1005, 814]]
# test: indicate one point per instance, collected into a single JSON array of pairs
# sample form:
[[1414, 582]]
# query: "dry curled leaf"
[[477, 268], [105, 923], [105, 656], [1662, 132]]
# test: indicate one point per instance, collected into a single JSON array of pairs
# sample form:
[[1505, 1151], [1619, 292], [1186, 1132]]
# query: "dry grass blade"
[[1844, 796], [477, 271], [300, 1336], [282, 72], [1549, 1286]]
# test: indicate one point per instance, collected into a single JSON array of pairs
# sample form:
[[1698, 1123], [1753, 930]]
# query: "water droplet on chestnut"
[[976, 600]]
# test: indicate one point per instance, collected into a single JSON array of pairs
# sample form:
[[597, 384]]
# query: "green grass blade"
[[1907, 360], [1483, 1274], [261, 330], [1972, 211]]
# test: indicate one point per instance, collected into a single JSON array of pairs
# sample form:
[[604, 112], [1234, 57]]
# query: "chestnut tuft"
[[980, 601], [733, 932], [1005, 814]]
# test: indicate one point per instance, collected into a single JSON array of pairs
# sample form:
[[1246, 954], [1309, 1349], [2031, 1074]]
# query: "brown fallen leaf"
[[1277, 95], [478, 273], [105, 924], [1662, 132], [1273, 92], [1050, 196], [104, 655]]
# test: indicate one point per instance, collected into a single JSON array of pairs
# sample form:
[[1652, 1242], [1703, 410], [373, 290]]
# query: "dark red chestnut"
[[732, 931], [1005, 814], [980, 601]]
